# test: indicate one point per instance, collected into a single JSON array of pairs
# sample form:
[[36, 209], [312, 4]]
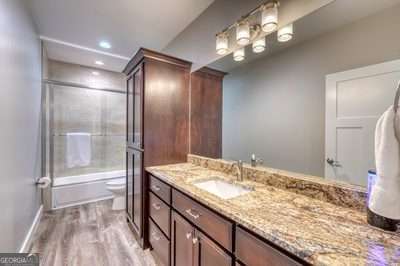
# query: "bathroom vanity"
[[282, 219]]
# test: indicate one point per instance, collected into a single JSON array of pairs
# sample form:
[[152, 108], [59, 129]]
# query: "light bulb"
[[222, 44], [286, 33], [269, 18], [105, 44], [238, 55], [243, 33], [259, 45]]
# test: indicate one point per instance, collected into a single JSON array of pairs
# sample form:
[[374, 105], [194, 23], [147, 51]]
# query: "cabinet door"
[[135, 108], [129, 183], [207, 253], [135, 188], [181, 241]]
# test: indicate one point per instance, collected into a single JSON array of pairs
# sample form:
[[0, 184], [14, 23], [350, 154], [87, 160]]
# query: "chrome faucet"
[[239, 171], [255, 161]]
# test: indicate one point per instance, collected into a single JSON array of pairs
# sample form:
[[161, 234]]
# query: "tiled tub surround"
[[311, 227], [78, 110]]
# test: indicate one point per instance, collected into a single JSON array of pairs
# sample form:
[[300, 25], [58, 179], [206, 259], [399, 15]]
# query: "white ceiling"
[[72, 29]]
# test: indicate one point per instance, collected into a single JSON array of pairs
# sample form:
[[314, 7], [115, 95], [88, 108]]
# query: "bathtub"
[[75, 190]]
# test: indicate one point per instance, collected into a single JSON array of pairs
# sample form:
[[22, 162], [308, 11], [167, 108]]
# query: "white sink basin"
[[222, 188]]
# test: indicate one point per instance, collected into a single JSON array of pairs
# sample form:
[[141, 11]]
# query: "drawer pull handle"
[[192, 213], [195, 240], [188, 235], [155, 188], [155, 236], [156, 206]]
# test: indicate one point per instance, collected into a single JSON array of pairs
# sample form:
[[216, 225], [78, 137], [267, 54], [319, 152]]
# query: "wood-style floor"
[[90, 234]]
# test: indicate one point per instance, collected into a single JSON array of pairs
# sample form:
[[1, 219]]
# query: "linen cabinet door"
[[129, 183], [134, 114], [207, 253], [137, 194], [181, 241]]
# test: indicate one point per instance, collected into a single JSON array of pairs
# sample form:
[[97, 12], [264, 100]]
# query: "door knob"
[[333, 162]]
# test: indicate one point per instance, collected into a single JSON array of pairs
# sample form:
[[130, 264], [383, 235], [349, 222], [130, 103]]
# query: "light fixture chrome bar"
[[251, 13], [76, 85]]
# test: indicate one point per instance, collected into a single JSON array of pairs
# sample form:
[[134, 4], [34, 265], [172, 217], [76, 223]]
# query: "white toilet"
[[117, 187]]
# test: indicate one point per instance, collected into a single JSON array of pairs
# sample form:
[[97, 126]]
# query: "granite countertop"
[[319, 232]]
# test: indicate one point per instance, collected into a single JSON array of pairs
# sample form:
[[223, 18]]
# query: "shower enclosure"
[[98, 113]]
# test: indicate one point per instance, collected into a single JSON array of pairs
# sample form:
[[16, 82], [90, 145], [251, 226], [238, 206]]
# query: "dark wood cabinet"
[[200, 236], [160, 213], [182, 248], [207, 253], [134, 114], [157, 125], [134, 189], [206, 112], [217, 227], [250, 250], [160, 245], [191, 247]]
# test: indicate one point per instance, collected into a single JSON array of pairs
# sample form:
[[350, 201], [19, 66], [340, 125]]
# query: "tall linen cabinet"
[[157, 125]]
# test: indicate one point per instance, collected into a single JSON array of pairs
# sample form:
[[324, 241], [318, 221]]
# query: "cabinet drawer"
[[159, 212], [252, 251], [213, 224], [160, 245], [160, 189]]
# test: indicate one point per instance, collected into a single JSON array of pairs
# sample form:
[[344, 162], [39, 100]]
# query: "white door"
[[355, 100]]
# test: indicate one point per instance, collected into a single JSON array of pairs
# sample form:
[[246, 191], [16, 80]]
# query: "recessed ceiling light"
[[95, 73], [105, 44], [98, 62]]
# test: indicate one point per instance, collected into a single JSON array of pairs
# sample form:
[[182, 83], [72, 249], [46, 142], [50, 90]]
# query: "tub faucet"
[[239, 169]]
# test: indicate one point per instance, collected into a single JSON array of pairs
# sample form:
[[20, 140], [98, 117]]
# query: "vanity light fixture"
[[286, 33], [98, 62], [259, 45], [269, 17], [238, 55], [222, 44], [248, 30]]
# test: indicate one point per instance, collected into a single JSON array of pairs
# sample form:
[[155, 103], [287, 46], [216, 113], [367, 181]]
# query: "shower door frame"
[[49, 93]]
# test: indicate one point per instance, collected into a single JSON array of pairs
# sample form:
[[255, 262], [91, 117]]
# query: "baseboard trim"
[[29, 236]]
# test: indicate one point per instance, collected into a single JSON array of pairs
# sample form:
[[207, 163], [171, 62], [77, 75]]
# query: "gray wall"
[[275, 106], [20, 103]]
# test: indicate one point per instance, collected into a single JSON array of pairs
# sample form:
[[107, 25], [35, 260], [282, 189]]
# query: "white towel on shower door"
[[78, 152], [385, 194]]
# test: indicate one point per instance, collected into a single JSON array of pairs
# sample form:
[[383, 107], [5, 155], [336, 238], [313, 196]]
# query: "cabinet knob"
[[195, 240], [189, 235], [155, 188], [155, 236], [156, 206]]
